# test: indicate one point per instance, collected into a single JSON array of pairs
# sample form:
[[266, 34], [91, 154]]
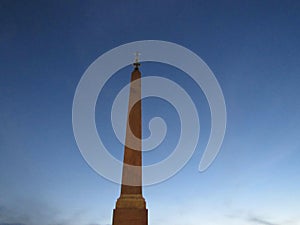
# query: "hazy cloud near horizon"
[[254, 218], [261, 221], [12, 224], [42, 216], [51, 224]]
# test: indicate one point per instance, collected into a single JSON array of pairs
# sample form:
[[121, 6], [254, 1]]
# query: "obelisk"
[[131, 206]]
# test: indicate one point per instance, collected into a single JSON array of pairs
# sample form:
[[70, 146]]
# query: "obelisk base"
[[130, 210]]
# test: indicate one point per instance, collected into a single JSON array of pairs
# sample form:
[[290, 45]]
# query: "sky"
[[253, 49]]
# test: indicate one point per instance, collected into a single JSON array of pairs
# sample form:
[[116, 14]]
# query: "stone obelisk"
[[131, 206]]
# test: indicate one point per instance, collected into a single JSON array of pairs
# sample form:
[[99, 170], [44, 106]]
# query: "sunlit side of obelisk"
[[131, 206]]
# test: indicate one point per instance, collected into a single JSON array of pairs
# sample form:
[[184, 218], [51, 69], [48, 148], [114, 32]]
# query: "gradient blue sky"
[[252, 47]]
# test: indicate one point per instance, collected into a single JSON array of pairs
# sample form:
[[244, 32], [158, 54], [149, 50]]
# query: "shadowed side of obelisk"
[[131, 206]]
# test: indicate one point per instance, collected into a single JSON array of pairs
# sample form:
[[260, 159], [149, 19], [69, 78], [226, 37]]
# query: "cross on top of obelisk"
[[136, 60]]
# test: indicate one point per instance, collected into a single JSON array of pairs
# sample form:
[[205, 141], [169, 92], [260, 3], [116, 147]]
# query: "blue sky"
[[251, 46]]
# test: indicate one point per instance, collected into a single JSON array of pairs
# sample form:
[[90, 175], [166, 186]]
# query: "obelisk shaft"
[[132, 170], [131, 206]]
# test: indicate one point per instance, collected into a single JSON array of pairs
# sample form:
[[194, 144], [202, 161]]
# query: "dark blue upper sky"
[[253, 49]]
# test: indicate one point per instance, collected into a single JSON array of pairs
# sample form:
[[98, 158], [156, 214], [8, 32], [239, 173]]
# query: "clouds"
[[12, 217], [32, 215], [257, 218], [260, 221], [12, 224]]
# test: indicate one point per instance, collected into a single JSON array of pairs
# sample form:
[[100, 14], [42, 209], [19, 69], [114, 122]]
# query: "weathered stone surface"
[[131, 206], [131, 201], [128, 216]]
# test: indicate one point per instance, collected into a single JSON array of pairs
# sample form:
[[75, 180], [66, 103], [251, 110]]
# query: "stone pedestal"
[[130, 210]]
